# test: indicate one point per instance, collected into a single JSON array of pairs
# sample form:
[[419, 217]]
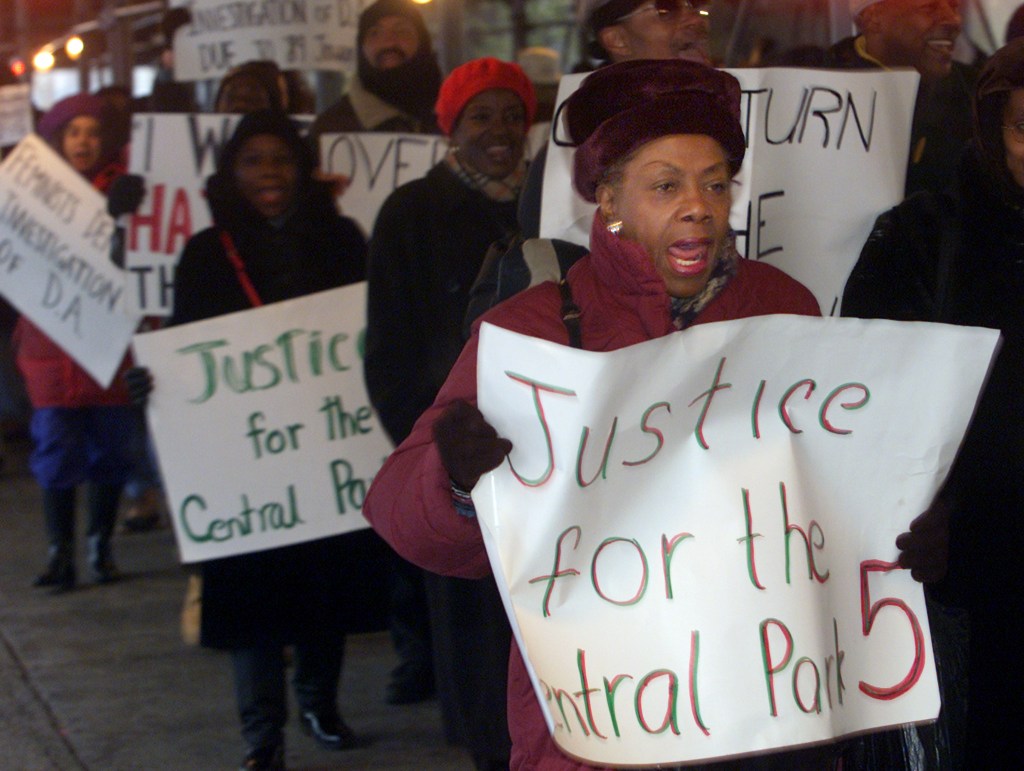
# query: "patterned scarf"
[[501, 190], [685, 309]]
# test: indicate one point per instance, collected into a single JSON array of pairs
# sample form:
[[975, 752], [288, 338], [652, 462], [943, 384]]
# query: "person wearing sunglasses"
[[957, 257], [646, 29]]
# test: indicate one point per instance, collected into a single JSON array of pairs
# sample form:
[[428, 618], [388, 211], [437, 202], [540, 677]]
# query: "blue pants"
[[79, 444]]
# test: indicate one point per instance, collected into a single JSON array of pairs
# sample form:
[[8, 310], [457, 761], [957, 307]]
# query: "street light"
[[74, 47], [43, 61]]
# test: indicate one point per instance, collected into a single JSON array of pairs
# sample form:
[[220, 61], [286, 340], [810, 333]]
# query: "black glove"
[[468, 444], [125, 195], [924, 549], [140, 384]]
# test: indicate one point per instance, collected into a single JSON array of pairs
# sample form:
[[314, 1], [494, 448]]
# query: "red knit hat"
[[621, 106], [475, 77]]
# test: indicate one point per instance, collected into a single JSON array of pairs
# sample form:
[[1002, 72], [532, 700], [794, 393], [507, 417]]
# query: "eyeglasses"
[[1016, 131], [667, 10]]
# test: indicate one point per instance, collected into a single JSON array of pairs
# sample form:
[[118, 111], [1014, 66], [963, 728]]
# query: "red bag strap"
[[243, 276]]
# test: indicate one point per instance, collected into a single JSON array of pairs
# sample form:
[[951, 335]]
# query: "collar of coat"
[[371, 109]]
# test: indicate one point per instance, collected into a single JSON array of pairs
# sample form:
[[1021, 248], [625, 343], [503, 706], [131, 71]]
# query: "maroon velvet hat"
[[622, 106]]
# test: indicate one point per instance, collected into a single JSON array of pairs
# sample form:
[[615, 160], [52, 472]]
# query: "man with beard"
[[397, 76], [919, 34], [394, 89]]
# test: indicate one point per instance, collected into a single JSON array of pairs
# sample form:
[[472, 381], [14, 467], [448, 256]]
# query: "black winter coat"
[[428, 244], [313, 590], [958, 258]]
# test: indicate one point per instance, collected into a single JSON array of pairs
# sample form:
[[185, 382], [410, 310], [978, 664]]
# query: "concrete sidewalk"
[[99, 678]]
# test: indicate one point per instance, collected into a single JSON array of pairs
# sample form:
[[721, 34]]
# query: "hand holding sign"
[[469, 446], [924, 548]]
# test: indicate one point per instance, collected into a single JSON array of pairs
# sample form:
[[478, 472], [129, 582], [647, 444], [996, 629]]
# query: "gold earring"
[[614, 227]]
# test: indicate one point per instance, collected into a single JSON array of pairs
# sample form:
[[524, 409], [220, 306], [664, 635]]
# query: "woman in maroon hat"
[[659, 143], [428, 243], [81, 431]]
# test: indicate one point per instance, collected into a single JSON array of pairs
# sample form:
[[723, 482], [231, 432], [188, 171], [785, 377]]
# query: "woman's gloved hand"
[[125, 195], [468, 444], [140, 384], [924, 549]]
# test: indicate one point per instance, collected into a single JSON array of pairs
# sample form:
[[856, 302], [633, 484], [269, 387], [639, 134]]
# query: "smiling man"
[[920, 34], [397, 76]]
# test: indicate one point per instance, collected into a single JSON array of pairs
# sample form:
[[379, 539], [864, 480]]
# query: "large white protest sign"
[[15, 113], [55, 258], [826, 154], [699, 562], [262, 425], [296, 34]]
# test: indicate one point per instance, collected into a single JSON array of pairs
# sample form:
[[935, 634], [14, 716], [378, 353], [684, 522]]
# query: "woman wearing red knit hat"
[[428, 243]]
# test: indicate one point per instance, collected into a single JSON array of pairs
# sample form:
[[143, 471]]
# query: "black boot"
[[103, 501], [59, 516], [60, 571]]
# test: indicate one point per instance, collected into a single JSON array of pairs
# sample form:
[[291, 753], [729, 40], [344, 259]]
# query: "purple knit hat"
[[622, 106], [58, 116]]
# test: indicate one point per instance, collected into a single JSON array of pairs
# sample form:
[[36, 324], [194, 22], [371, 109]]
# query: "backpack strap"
[[570, 314]]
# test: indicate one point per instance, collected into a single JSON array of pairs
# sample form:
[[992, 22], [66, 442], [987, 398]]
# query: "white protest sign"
[[376, 164], [15, 113], [296, 34], [826, 154], [262, 425], [699, 562], [175, 154], [55, 258]]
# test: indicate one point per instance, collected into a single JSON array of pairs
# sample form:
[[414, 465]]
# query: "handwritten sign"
[[55, 258], [375, 165], [174, 154], [826, 154], [15, 113], [296, 34], [700, 562], [262, 425]]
